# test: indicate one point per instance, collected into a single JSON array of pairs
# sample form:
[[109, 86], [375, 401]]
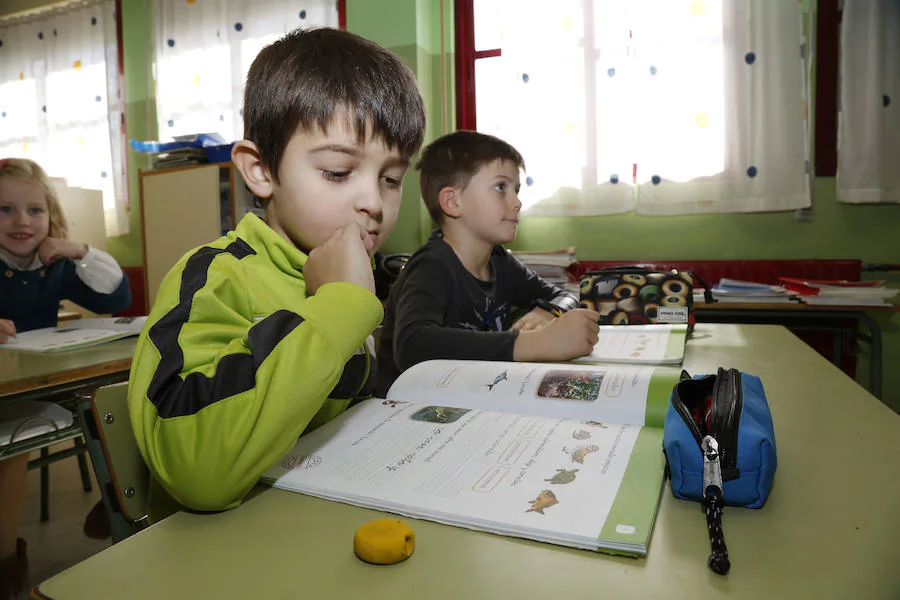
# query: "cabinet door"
[[181, 211]]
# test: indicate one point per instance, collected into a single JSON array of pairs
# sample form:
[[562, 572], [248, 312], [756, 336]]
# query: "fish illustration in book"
[[504, 376], [581, 434], [597, 424], [563, 476], [545, 499], [579, 453]]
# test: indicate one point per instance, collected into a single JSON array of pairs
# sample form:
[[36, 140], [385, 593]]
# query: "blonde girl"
[[39, 267]]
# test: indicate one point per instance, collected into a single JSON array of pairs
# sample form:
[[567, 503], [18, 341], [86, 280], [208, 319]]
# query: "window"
[[664, 106], [60, 103], [203, 51]]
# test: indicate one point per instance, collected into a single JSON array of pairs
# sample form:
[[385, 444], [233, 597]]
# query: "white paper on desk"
[[843, 301], [56, 339], [124, 324], [639, 344], [30, 418]]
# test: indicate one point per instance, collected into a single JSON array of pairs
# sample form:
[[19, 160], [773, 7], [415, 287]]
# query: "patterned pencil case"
[[638, 296]]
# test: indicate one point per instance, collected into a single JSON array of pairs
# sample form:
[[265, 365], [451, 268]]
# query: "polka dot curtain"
[[655, 106], [203, 50], [869, 122], [59, 100]]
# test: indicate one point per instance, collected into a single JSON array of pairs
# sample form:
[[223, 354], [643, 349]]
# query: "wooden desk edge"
[[793, 306], [53, 379]]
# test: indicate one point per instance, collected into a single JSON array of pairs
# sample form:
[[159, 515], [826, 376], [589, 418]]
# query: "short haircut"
[[303, 79], [452, 160], [28, 170]]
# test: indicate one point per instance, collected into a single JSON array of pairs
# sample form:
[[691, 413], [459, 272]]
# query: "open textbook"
[[76, 334], [560, 453]]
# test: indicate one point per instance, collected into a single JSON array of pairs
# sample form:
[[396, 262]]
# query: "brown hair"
[[23, 168], [452, 160], [308, 75]]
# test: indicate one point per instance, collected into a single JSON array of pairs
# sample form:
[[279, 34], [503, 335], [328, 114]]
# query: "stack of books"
[[551, 266], [180, 157], [840, 293], [735, 290]]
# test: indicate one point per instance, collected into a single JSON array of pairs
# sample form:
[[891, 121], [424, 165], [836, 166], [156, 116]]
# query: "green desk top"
[[22, 372], [831, 527]]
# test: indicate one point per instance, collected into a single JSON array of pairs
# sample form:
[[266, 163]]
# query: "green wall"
[[412, 29], [140, 119]]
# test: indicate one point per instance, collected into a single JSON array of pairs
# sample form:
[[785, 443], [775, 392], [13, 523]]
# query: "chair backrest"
[[127, 469]]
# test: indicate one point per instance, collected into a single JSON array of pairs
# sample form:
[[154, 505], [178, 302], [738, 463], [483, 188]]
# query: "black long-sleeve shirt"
[[437, 309]]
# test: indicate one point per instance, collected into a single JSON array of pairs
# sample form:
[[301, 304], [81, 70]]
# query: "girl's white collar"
[[13, 262]]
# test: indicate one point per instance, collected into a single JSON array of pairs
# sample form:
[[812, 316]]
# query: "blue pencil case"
[[731, 407], [720, 447]]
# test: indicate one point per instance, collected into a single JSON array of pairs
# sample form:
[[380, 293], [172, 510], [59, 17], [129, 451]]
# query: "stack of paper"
[[77, 334], [841, 293]]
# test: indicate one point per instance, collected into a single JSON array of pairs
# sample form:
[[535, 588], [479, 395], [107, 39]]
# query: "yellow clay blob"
[[384, 541]]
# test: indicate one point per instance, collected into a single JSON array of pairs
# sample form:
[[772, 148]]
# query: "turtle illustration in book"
[[579, 453], [581, 434], [438, 414], [563, 476], [545, 499]]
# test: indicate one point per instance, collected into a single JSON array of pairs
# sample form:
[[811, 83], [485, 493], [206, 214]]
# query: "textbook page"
[[639, 344], [626, 394], [57, 339], [577, 483]]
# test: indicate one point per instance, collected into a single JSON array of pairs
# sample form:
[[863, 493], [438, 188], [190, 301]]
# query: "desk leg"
[[83, 467], [874, 338], [45, 486]]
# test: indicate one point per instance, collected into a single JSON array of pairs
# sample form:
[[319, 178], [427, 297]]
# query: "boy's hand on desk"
[[342, 257], [535, 319], [572, 335], [7, 330], [52, 249]]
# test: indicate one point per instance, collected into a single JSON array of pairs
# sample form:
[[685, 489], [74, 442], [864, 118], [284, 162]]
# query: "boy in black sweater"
[[456, 296]]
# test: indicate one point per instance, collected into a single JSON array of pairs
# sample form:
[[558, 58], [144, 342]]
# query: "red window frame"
[[466, 55], [342, 14]]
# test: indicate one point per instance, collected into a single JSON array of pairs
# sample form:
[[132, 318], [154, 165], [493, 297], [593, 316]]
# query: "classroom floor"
[[59, 543]]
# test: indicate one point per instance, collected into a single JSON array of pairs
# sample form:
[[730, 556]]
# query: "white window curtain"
[[659, 106], [869, 122], [59, 100], [203, 50]]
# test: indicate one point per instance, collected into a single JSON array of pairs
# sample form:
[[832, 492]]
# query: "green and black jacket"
[[236, 361]]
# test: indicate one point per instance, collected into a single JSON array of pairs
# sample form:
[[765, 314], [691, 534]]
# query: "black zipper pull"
[[713, 504]]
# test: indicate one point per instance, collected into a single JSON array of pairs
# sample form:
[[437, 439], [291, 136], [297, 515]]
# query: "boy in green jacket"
[[261, 334]]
